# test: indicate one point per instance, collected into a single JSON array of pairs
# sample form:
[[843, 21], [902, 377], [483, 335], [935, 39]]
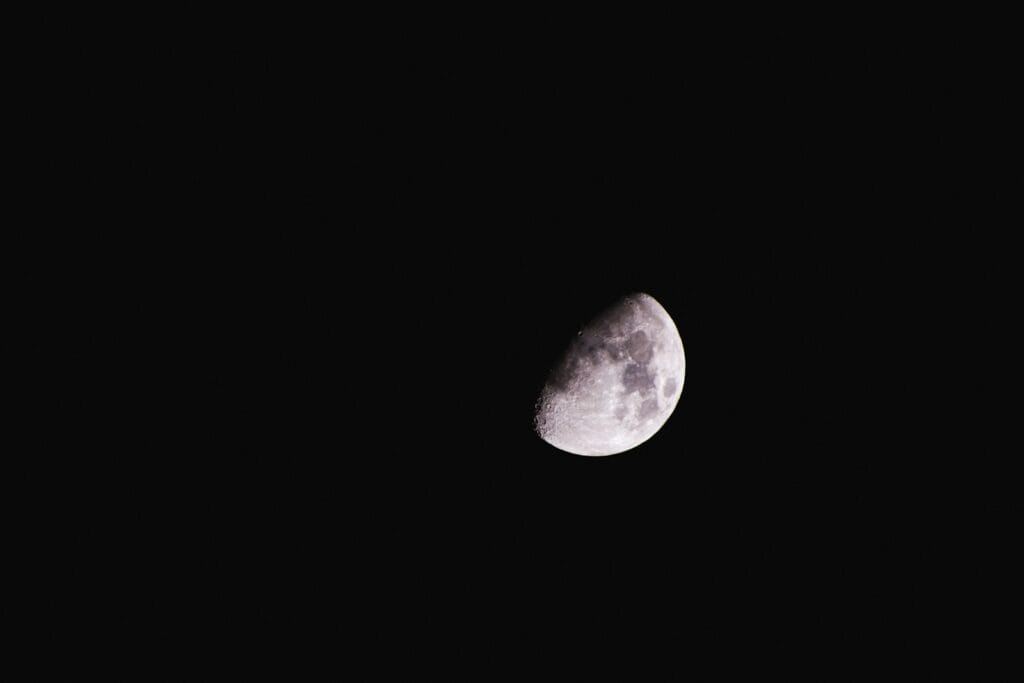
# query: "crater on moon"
[[635, 378], [648, 408], [602, 397], [639, 348]]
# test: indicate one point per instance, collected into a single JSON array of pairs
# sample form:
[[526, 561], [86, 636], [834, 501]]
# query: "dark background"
[[363, 261], [807, 216]]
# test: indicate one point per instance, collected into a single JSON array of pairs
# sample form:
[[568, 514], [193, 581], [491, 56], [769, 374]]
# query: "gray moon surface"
[[617, 383]]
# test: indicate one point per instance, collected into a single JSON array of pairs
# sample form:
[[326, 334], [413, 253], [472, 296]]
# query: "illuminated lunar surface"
[[618, 382]]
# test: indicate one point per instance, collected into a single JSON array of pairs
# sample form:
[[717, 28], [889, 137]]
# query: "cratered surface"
[[618, 382]]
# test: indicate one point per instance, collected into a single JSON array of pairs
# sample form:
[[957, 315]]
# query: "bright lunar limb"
[[618, 382]]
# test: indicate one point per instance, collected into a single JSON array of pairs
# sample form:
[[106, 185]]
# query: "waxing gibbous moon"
[[617, 383]]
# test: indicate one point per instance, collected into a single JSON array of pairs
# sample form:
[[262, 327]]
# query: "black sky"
[[791, 210], [364, 349]]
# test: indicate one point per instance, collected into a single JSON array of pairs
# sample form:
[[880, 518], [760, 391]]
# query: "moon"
[[617, 383]]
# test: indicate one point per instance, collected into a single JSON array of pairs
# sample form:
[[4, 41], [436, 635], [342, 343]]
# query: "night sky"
[[388, 254], [791, 212]]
